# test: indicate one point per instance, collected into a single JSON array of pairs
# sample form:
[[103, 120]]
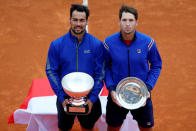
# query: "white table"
[[40, 113]]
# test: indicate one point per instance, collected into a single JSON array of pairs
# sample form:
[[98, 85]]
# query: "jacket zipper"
[[77, 46], [128, 62]]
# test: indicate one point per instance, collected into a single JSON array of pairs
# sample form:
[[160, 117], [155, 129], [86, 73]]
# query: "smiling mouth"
[[78, 27], [78, 30]]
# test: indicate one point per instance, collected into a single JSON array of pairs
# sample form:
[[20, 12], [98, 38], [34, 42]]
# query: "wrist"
[[149, 87]]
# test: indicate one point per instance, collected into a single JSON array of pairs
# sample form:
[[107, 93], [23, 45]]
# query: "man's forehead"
[[127, 15], [78, 14]]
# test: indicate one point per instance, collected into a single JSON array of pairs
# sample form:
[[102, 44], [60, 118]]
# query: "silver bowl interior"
[[77, 82], [131, 93]]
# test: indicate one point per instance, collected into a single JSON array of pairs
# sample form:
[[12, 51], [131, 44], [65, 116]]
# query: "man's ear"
[[119, 22], [86, 22], [137, 23]]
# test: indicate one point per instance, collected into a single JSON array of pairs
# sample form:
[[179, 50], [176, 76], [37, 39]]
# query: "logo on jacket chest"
[[139, 51], [87, 51]]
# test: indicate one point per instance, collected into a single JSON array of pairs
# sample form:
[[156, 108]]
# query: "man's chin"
[[127, 32], [77, 32]]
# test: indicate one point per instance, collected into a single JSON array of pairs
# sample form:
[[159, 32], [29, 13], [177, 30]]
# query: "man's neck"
[[128, 36], [78, 36]]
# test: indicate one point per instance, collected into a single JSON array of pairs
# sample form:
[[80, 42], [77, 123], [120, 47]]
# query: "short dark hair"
[[129, 9], [80, 8]]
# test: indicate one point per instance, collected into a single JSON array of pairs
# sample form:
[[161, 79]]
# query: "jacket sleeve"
[[155, 65], [98, 73], [52, 71], [108, 69]]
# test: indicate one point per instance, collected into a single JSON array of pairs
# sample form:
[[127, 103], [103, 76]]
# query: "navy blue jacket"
[[67, 55], [141, 59]]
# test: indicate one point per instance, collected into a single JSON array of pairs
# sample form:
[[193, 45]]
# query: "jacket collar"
[[121, 38], [75, 38]]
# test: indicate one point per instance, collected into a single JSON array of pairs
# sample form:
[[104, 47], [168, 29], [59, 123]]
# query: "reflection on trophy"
[[77, 85], [131, 93]]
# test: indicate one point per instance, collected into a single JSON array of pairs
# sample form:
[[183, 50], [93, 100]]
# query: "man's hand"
[[113, 95], [90, 105], [148, 96], [65, 102]]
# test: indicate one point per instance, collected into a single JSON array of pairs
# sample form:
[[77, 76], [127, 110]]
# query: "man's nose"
[[78, 23], [127, 23]]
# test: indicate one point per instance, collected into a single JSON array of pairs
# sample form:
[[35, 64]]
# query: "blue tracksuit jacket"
[[67, 55], [141, 59]]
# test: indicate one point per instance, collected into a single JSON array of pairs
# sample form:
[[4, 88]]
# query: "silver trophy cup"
[[77, 85], [131, 93]]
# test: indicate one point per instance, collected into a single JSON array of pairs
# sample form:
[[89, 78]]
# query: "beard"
[[77, 32]]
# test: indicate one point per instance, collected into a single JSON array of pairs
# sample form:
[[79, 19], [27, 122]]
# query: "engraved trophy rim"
[[131, 93]]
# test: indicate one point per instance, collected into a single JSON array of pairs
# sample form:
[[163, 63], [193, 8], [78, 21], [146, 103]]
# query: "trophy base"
[[77, 109]]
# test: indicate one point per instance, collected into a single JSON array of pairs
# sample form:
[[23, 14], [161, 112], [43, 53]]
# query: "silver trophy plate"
[[131, 93]]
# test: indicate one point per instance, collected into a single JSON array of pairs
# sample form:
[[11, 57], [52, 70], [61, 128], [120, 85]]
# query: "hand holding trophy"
[[131, 93], [77, 85]]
